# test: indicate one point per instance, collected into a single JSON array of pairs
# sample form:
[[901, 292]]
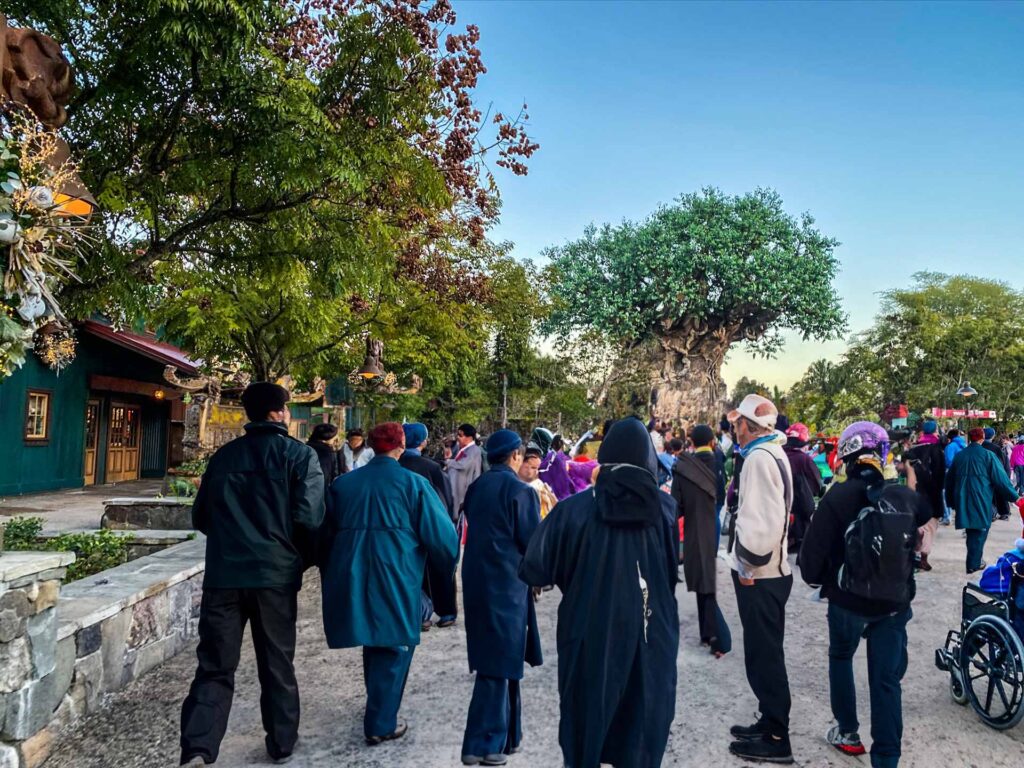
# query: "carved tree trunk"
[[686, 378]]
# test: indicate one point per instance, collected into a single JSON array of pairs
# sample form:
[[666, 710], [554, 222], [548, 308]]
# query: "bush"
[[94, 552], [183, 489], [194, 468], [20, 533]]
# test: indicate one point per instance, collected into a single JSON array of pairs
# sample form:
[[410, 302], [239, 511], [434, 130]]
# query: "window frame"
[[47, 418]]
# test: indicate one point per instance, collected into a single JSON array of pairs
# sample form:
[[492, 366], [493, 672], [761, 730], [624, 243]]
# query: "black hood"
[[627, 486]]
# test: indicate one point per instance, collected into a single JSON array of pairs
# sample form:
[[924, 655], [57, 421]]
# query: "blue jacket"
[[384, 521], [956, 445], [975, 480], [502, 512]]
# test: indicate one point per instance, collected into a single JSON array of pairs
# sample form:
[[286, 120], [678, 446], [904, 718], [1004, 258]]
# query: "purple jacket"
[[580, 473], [553, 471]]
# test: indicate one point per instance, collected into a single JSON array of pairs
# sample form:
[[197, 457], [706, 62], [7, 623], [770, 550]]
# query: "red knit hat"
[[387, 437]]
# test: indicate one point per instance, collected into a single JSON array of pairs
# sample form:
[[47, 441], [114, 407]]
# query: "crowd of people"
[[608, 522]]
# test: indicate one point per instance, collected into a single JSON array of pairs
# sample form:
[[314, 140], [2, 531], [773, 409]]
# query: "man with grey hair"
[[762, 577]]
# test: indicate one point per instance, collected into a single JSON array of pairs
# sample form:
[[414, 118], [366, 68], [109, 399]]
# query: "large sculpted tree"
[[677, 290]]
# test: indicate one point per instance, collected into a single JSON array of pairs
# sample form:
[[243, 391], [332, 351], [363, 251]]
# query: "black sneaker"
[[981, 567], [767, 749], [749, 732]]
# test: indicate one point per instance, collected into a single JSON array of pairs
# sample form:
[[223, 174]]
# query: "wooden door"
[[92, 437], [123, 445]]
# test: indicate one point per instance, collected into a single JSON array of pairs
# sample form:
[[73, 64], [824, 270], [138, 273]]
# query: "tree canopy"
[[694, 278]]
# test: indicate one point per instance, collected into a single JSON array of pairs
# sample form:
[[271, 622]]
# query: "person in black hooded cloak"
[[612, 552]]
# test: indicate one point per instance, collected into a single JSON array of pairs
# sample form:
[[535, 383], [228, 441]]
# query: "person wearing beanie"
[[999, 510], [926, 474], [955, 442], [975, 478], [260, 493], [698, 482], [807, 482], [355, 452], [465, 466], [384, 524], [502, 512], [438, 583]]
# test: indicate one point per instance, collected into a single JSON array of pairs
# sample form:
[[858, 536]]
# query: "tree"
[[830, 396], [746, 386], [204, 128], [678, 289]]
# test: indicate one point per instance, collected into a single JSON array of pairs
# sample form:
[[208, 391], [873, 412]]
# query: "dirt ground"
[[139, 726]]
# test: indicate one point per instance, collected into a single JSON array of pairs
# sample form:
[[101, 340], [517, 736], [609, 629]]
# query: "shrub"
[[94, 552]]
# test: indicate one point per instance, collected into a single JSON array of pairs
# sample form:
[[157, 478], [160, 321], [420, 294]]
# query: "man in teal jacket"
[[975, 478], [260, 494], [384, 522]]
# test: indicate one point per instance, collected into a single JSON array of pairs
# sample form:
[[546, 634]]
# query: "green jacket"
[[974, 481], [254, 494]]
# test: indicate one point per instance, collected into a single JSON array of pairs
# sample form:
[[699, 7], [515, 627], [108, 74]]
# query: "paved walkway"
[[74, 508], [140, 726]]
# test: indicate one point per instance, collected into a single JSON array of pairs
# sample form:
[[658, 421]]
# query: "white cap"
[[759, 410]]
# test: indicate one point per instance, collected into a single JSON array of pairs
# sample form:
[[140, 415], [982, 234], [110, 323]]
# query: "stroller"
[[985, 658]]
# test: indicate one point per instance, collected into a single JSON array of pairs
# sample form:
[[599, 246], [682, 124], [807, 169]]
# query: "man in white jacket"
[[762, 576]]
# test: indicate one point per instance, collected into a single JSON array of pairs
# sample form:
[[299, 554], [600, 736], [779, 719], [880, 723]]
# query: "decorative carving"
[[35, 74], [208, 385]]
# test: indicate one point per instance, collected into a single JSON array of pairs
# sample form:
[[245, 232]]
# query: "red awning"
[[146, 345]]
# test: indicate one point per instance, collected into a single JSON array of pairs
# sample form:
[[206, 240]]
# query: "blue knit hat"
[[501, 444], [929, 427], [415, 434], [989, 433]]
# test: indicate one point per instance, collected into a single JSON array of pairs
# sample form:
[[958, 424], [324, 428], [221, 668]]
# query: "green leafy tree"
[[746, 386], [831, 395], [677, 290]]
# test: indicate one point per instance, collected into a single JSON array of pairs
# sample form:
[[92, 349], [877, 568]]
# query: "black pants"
[[713, 629], [762, 609], [440, 586], [271, 613]]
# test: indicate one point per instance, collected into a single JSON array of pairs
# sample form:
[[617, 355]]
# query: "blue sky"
[[898, 126]]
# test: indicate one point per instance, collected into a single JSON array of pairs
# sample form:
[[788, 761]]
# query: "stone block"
[[11, 625], [149, 656], [16, 601], [147, 514], [34, 751], [88, 640], [46, 594], [150, 620], [42, 632], [31, 708], [9, 757], [87, 681], [115, 637], [15, 664]]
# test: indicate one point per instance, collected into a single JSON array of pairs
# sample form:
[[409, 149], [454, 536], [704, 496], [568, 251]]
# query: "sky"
[[897, 126]]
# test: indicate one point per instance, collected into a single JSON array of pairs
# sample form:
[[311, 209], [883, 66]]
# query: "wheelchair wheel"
[[992, 668], [956, 687]]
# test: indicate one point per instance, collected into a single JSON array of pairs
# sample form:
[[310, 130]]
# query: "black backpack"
[[879, 559]]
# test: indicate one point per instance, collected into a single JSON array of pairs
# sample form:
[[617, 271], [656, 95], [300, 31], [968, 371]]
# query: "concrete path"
[[74, 508], [140, 725]]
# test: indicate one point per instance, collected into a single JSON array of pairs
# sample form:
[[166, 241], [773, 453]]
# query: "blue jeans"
[[1018, 475], [975, 547], [887, 663]]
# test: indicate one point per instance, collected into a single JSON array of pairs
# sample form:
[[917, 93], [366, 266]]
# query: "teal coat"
[[384, 522], [973, 482]]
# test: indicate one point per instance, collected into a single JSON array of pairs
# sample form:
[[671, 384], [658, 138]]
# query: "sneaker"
[[398, 733], [749, 732], [767, 749], [981, 567], [847, 743], [196, 761], [281, 759]]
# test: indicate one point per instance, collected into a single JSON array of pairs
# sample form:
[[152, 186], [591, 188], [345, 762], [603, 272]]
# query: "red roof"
[[146, 345]]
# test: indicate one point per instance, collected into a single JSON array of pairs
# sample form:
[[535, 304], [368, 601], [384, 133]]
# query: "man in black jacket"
[[258, 491], [862, 447], [927, 463], [438, 584]]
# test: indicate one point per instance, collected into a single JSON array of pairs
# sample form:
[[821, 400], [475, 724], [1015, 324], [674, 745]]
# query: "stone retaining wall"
[[169, 514], [104, 631]]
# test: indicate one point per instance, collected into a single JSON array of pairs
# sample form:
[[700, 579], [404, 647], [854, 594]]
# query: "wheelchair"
[[985, 658]]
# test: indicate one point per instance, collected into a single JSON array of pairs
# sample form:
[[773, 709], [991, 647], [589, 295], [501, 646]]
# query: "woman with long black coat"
[[696, 482], [612, 552]]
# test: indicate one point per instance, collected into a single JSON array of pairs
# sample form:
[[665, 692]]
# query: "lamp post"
[[966, 391]]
